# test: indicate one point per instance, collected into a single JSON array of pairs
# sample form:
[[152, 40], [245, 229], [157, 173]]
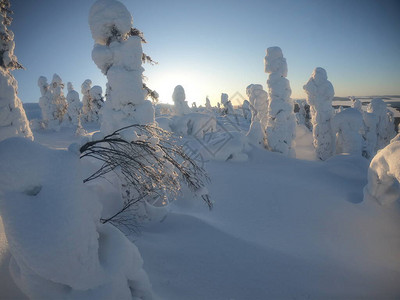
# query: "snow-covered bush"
[[281, 123], [59, 248], [97, 102], [348, 127], [320, 94], [13, 121], [58, 103], [118, 54], [384, 175], [385, 127], [86, 100], [180, 104], [72, 116]]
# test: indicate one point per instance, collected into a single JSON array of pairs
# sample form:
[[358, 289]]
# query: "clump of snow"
[[384, 175], [59, 248], [348, 127], [319, 96], [118, 53], [180, 104], [281, 123]]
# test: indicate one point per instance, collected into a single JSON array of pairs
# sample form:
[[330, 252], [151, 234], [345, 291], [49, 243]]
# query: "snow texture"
[[180, 104], [319, 96], [59, 248], [118, 54], [348, 127], [281, 123], [384, 175]]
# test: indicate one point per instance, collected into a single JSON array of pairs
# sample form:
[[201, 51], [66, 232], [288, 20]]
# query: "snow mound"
[[51, 219]]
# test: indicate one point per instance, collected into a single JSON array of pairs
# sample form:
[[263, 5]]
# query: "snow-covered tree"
[[97, 102], [118, 53], [370, 134], [58, 104], [228, 108], [180, 104], [385, 126], [45, 100], [13, 120], [320, 94], [72, 115], [281, 123], [259, 102], [86, 100], [356, 103], [246, 110], [348, 127], [208, 104]]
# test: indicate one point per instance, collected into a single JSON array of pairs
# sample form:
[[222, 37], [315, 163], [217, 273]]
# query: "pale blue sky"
[[214, 46]]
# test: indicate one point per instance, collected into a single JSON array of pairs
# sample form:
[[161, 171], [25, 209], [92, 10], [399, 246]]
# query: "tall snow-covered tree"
[[45, 100], [58, 104], [97, 103], [72, 115], [281, 124], [320, 94], [13, 120], [118, 53], [86, 100], [180, 104]]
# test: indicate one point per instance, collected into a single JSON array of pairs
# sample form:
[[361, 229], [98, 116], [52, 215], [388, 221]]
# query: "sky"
[[215, 46]]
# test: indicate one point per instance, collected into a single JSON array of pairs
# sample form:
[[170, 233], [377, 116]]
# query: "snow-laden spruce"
[[118, 53], [384, 175], [385, 127], [228, 107], [86, 100], [72, 115], [58, 103], [320, 94], [281, 124], [348, 127], [97, 102], [45, 100], [13, 121], [180, 104], [208, 104], [59, 248]]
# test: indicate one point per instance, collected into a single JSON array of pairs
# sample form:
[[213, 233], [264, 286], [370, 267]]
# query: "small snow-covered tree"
[[259, 101], [228, 108], [72, 115], [246, 110], [97, 102], [319, 96], [45, 100], [118, 54], [86, 100], [281, 123], [58, 104], [13, 120], [385, 126], [348, 126], [180, 104], [208, 104]]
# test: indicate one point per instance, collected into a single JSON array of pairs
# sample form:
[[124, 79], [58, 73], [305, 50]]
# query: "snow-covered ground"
[[281, 228]]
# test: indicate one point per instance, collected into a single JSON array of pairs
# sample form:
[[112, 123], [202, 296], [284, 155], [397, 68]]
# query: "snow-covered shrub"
[[320, 94], [385, 127], [281, 123], [97, 102], [72, 115], [13, 121], [180, 104], [59, 247], [348, 127], [384, 175], [118, 54], [58, 104], [86, 100]]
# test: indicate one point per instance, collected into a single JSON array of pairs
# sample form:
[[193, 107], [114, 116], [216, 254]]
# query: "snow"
[[180, 104]]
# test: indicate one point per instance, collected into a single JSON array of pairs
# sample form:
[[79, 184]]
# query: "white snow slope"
[[281, 228]]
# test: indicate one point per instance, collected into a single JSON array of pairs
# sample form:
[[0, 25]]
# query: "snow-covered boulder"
[[59, 248], [320, 94], [348, 127], [281, 123], [384, 176]]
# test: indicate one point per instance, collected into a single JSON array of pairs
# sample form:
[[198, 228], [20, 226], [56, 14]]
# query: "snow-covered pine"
[[320, 94], [180, 104], [246, 110], [228, 108], [259, 102], [13, 120], [72, 115], [86, 100], [97, 102], [44, 100], [281, 124], [58, 104], [208, 104], [118, 54], [348, 127]]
